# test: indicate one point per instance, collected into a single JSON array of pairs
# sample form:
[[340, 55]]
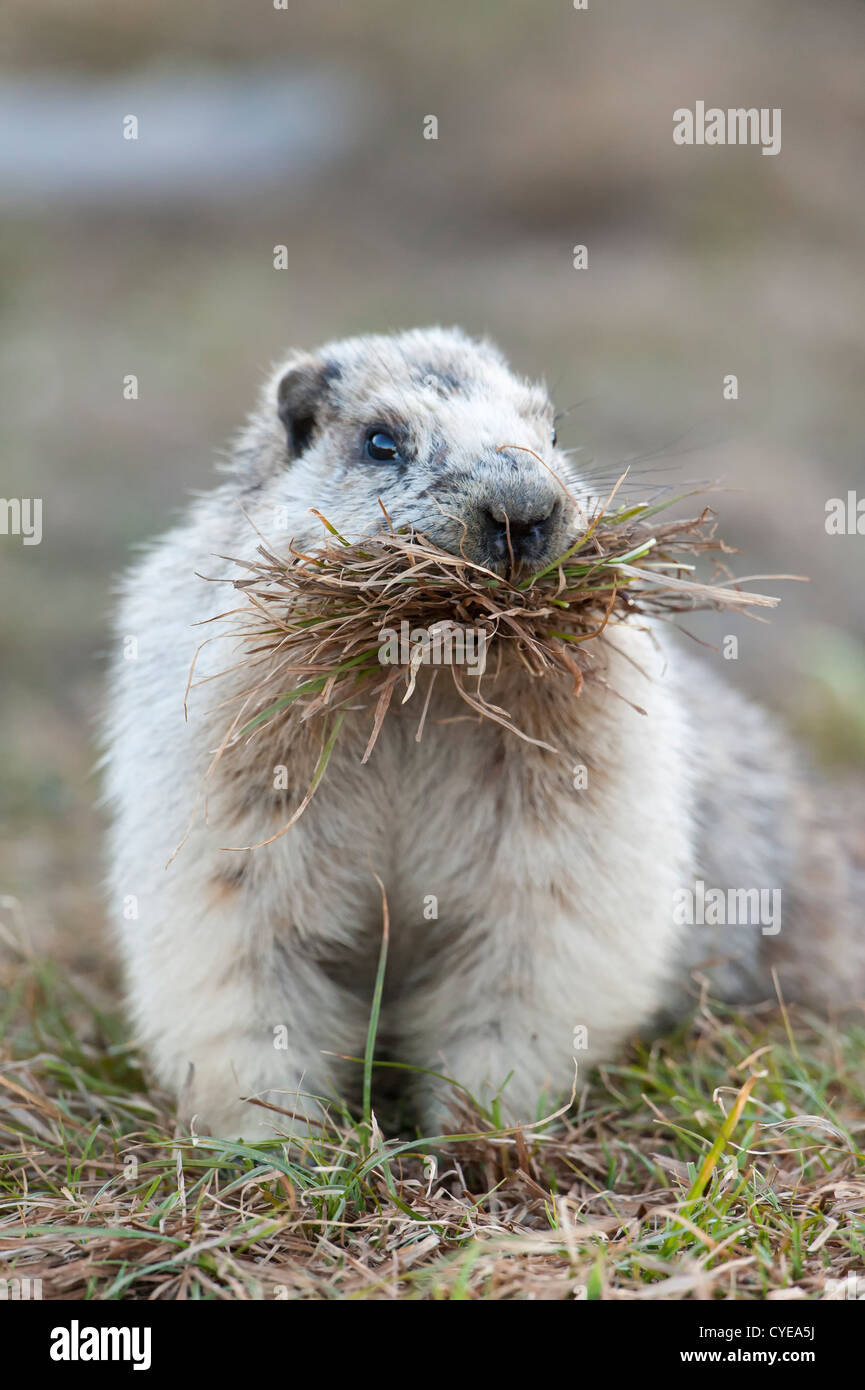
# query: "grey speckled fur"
[[555, 906]]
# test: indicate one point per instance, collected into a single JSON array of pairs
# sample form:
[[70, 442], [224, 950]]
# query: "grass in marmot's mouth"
[[648, 1191], [317, 627]]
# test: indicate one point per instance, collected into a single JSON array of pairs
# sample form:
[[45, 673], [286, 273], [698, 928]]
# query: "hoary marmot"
[[250, 974]]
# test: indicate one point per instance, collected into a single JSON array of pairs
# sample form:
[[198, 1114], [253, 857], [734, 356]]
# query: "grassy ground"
[[726, 1162]]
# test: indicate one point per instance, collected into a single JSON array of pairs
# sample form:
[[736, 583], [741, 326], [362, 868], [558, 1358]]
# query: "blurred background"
[[304, 127]]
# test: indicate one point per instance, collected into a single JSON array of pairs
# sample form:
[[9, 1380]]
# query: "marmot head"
[[429, 424]]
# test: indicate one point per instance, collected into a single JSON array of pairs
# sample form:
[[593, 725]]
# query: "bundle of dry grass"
[[319, 632]]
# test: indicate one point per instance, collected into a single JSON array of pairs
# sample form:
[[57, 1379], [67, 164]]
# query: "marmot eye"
[[555, 437], [381, 446]]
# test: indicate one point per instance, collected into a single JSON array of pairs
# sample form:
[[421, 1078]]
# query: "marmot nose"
[[529, 536]]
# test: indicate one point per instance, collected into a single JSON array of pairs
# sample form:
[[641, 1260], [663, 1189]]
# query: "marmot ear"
[[300, 396]]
